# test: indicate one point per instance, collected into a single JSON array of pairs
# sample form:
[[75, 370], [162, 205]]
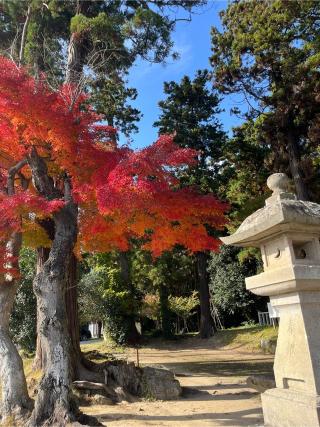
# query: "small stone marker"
[[287, 231]]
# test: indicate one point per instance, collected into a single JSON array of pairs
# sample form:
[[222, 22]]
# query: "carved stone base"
[[288, 408]]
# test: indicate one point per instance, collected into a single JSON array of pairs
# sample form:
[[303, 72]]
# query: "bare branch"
[[23, 36], [12, 173], [13, 45]]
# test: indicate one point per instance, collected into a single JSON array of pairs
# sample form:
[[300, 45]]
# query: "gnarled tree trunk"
[[73, 75], [78, 364], [206, 322], [54, 402], [15, 399]]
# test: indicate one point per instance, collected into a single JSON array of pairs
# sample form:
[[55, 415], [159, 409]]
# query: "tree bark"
[[40, 359], [54, 404], [295, 169], [133, 335], [123, 260], [74, 60], [15, 398], [73, 317], [206, 322], [99, 329], [73, 74], [71, 297]]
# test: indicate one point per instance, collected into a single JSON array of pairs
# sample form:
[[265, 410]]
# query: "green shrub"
[[23, 321], [104, 296]]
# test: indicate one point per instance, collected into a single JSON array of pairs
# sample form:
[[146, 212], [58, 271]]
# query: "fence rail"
[[265, 320]]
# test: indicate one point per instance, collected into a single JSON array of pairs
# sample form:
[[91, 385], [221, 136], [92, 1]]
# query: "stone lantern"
[[287, 232]]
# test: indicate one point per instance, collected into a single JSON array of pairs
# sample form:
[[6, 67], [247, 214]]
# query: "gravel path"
[[214, 388]]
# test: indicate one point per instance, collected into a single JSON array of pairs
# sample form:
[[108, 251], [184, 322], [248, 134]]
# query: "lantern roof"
[[282, 213]]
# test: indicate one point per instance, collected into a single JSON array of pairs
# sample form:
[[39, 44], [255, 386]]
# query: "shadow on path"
[[219, 368], [236, 418]]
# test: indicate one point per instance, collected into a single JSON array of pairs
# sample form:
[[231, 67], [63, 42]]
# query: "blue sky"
[[192, 41]]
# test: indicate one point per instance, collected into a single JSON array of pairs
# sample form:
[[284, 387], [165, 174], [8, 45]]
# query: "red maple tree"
[[60, 162]]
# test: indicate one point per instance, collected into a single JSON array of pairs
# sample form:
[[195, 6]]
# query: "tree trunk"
[[295, 169], [73, 74], [39, 362], [73, 317], [166, 315], [133, 335], [74, 61], [124, 263], [54, 404], [185, 325], [99, 329], [206, 322], [71, 294], [15, 399]]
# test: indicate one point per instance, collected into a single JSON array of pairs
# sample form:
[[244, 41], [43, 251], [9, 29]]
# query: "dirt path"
[[214, 388]]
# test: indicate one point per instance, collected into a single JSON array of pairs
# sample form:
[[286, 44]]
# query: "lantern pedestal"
[[288, 408], [296, 400]]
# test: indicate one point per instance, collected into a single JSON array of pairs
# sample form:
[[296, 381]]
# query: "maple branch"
[[41, 179], [24, 181], [67, 189], [14, 244], [12, 173]]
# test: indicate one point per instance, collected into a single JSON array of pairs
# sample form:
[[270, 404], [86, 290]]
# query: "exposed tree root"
[[106, 383], [18, 417]]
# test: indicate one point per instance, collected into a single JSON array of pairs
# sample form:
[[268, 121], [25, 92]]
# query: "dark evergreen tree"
[[111, 99], [247, 167], [269, 52], [190, 112], [227, 282]]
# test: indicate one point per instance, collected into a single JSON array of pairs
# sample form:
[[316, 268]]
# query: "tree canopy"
[[67, 153], [268, 51], [190, 112]]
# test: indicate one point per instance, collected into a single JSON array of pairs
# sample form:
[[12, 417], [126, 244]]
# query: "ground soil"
[[214, 387]]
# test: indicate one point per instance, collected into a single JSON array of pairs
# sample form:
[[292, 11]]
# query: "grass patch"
[[248, 337], [100, 350]]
